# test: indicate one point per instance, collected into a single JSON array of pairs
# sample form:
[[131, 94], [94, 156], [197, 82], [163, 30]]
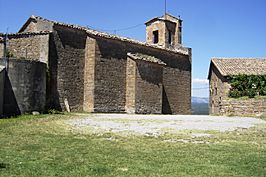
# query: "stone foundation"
[[243, 107]]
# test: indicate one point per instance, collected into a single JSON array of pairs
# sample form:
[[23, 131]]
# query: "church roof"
[[2, 35], [236, 66], [163, 18], [143, 57], [179, 50]]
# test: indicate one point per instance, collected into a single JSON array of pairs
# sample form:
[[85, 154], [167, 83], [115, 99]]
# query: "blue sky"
[[212, 28]]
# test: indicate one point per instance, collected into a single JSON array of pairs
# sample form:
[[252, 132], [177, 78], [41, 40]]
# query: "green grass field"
[[36, 146]]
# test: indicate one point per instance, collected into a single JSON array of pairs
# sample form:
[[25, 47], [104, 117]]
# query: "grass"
[[258, 97], [44, 146]]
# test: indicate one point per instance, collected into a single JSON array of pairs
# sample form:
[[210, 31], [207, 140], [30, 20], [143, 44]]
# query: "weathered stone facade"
[[250, 106], [219, 102], [24, 86], [165, 31], [34, 46], [92, 71]]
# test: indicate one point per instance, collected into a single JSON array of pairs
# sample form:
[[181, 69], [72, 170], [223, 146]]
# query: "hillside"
[[200, 105]]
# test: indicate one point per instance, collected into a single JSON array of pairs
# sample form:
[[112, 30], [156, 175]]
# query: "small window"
[[155, 37], [169, 37]]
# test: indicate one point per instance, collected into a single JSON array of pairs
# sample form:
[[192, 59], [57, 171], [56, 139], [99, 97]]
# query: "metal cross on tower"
[[165, 7]]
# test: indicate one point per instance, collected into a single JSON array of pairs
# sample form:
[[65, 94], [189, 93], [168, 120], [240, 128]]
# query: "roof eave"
[[26, 24]]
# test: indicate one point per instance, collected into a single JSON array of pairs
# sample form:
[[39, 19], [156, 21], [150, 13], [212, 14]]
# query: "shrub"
[[54, 111], [251, 93], [9, 54], [247, 85], [234, 93]]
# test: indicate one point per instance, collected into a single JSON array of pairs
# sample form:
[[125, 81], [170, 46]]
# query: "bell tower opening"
[[155, 37], [165, 31], [170, 37]]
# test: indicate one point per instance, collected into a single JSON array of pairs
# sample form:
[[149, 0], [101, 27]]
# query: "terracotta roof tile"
[[235, 66], [2, 35], [143, 57]]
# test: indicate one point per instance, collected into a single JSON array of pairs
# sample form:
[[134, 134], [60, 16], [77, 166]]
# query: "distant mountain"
[[199, 100], [200, 105], [200, 108]]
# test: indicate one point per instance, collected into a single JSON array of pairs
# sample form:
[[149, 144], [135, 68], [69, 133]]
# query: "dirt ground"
[[155, 125]]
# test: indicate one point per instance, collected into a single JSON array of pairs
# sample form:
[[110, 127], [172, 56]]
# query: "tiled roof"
[[2, 35], [143, 57], [235, 66], [162, 18], [179, 50]]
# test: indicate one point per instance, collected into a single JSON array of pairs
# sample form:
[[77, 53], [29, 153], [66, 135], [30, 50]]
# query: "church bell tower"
[[165, 31]]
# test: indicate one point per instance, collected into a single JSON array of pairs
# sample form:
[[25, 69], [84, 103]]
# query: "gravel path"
[[157, 124]]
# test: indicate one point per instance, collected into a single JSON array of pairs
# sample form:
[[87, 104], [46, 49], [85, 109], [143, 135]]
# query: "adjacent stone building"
[[93, 71], [220, 103]]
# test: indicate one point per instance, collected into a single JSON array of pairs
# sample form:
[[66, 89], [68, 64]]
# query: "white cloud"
[[200, 81]]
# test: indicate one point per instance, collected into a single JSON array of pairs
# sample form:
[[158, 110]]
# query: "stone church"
[[92, 71]]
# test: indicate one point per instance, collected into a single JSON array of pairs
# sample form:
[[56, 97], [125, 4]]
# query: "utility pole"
[[5, 50], [165, 7]]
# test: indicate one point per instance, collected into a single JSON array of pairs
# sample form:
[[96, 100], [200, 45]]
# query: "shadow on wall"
[[151, 73], [10, 106], [52, 98], [24, 87], [2, 80], [166, 108]]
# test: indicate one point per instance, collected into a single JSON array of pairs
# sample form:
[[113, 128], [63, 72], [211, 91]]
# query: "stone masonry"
[[94, 72], [32, 46], [220, 103]]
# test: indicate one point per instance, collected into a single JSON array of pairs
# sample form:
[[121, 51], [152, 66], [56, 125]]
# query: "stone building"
[[93, 71], [219, 102]]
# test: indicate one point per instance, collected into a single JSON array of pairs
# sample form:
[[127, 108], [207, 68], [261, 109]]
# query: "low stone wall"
[[243, 107]]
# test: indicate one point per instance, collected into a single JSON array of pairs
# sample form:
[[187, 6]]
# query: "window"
[[169, 37], [155, 37]]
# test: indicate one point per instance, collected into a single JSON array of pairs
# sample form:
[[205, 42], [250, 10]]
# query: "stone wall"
[[24, 87], [243, 107], [220, 103], [28, 46], [89, 75], [111, 72], [68, 67], [161, 28], [131, 86], [176, 92], [33, 25], [218, 90], [148, 88], [178, 30], [110, 76], [2, 81], [170, 27]]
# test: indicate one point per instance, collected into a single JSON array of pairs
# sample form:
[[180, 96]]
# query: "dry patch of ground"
[[156, 125]]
